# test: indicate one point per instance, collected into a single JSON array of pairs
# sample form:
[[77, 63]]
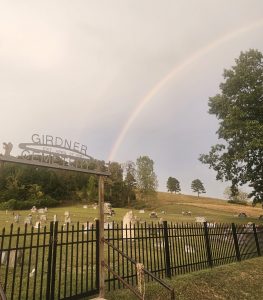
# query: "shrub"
[[14, 204]]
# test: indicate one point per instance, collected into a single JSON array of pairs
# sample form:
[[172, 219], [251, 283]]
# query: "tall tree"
[[114, 185], [130, 181], [173, 185], [198, 187], [145, 177], [239, 108]]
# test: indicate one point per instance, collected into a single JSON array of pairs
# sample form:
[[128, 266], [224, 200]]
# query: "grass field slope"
[[170, 207]]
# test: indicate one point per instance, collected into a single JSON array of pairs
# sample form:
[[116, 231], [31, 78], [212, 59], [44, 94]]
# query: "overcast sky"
[[126, 78]]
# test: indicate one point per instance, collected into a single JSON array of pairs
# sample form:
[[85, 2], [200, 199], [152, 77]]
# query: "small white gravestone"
[[31, 274], [141, 211], [88, 226], [200, 219], [16, 218], [128, 225], [14, 256], [6, 211], [28, 220], [94, 206], [189, 249], [37, 225], [43, 218], [108, 225], [33, 209], [55, 218], [66, 214], [161, 221], [45, 209], [163, 212], [85, 206], [41, 211]]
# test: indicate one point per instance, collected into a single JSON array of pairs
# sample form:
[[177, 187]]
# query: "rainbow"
[[175, 71]]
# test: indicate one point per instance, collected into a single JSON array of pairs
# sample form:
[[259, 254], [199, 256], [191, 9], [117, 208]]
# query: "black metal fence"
[[62, 262]]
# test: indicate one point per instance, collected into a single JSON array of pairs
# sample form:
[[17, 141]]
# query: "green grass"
[[215, 210], [236, 281]]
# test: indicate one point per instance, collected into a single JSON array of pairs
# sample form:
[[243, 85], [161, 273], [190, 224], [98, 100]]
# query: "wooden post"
[[101, 236]]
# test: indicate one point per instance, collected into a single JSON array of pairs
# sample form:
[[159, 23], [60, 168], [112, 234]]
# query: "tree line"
[[130, 184]]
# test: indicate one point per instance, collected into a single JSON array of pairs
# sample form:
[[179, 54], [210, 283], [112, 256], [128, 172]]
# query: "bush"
[[14, 204]]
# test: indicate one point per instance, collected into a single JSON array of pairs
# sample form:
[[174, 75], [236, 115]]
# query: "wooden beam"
[[101, 238]]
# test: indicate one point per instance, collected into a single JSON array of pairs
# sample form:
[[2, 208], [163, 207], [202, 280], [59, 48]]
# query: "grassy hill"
[[215, 210]]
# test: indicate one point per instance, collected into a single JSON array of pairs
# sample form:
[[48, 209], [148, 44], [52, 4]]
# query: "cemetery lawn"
[[214, 210], [240, 281]]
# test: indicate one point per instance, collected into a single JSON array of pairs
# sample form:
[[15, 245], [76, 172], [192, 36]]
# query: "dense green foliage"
[[173, 185], [22, 186], [239, 108], [198, 187]]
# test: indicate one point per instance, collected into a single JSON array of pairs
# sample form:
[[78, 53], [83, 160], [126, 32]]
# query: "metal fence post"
[[167, 250], [54, 258], [97, 254], [208, 247], [50, 247], [234, 231], [256, 239]]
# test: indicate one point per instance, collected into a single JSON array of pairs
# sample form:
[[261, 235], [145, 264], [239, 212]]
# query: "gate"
[[56, 263]]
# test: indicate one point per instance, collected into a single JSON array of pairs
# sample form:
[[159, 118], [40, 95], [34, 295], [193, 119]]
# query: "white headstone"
[[128, 225], [41, 211], [28, 220], [33, 209], [108, 225], [38, 224], [85, 206], [66, 214], [141, 211], [55, 218], [16, 218], [200, 219]]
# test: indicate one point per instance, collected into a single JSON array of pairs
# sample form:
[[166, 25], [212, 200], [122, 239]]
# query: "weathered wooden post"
[[101, 237]]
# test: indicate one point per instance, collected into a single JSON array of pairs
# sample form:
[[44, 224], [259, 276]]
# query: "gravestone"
[[242, 215], [16, 218], [37, 225], [55, 218], [200, 219], [108, 225], [141, 211], [128, 222], [28, 220], [41, 211], [33, 209], [14, 254], [153, 214]]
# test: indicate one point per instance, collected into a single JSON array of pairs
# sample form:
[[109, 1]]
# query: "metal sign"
[[53, 152]]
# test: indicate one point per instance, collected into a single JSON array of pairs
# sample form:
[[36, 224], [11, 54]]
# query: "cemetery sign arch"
[[63, 154]]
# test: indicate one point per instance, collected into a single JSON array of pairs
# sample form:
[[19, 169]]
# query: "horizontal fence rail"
[[62, 262]]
